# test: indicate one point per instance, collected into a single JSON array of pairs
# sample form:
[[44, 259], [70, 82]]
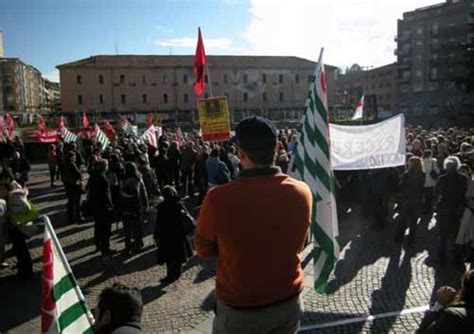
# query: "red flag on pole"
[[62, 123], [10, 123], [85, 121], [199, 66], [41, 124], [149, 120], [109, 130]]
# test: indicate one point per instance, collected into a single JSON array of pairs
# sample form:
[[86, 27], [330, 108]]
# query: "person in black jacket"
[[411, 189], [101, 206], [72, 179], [20, 168], [173, 247], [162, 168], [450, 190], [119, 311]]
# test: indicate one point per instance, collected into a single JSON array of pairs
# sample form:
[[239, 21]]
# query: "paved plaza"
[[373, 276]]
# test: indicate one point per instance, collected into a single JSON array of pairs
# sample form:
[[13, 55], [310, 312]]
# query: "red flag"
[[62, 123], [199, 66], [1, 124], [109, 130], [10, 123], [41, 123], [85, 121], [149, 120]]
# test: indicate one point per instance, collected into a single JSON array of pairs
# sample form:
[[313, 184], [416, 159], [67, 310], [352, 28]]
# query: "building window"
[[225, 78], [280, 78], [418, 74], [79, 99], [165, 98], [281, 97], [144, 98], [122, 78], [297, 78], [246, 78], [79, 79], [264, 78], [186, 98], [434, 73], [246, 97], [123, 99], [419, 30], [206, 78], [101, 79], [165, 79], [144, 79], [434, 28], [185, 79], [264, 97], [101, 99]]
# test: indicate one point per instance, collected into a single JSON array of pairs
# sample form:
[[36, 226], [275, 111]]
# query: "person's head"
[[52, 147], [256, 139], [16, 155], [427, 154], [416, 144], [414, 163], [231, 149], [215, 152], [131, 171], [162, 151], [170, 193], [452, 164], [466, 293], [118, 305], [465, 169], [71, 156]]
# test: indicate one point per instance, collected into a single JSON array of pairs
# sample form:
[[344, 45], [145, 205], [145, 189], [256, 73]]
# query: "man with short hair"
[[257, 238], [119, 311], [217, 171]]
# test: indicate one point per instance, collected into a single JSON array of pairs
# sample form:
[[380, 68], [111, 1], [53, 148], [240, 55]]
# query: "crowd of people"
[[134, 183]]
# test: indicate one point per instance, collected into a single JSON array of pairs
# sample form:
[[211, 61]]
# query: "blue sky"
[[45, 33]]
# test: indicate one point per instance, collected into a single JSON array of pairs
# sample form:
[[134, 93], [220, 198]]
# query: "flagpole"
[[209, 79]]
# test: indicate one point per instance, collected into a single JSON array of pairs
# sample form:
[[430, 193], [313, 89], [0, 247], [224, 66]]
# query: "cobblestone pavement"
[[373, 276]]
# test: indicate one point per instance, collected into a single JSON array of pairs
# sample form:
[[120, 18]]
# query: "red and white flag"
[[359, 112], [85, 121], [149, 120], [199, 66], [10, 123], [63, 307], [41, 124], [62, 123], [149, 137], [109, 130]]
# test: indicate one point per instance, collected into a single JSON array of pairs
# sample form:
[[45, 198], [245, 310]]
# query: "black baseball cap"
[[256, 133]]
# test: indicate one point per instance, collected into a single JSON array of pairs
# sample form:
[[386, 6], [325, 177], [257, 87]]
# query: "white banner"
[[381, 145]]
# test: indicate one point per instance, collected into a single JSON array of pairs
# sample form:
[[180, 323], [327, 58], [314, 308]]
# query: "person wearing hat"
[[257, 238]]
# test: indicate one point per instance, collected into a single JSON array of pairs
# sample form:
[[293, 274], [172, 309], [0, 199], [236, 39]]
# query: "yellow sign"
[[214, 118]]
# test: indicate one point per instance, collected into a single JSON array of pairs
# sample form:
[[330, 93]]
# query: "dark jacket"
[[169, 233], [150, 180], [188, 159], [411, 187], [131, 327], [457, 318], [99, 195], [71, 175], [451, 188], [134, 192]]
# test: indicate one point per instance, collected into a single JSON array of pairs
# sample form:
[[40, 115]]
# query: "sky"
[[46, 33]]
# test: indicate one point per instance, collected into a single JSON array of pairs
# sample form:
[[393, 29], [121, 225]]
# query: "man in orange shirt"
[[256, 226]]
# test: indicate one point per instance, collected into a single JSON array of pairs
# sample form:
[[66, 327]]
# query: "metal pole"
[[209, 80]]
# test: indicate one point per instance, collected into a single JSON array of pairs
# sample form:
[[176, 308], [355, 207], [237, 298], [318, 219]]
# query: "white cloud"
[[210, 44], [351, 31], [164, 29], [52, 75]]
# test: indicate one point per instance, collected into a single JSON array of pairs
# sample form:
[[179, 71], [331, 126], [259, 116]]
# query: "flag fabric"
[[10, 123], [149, 120], [2, 125], [63, 308], [109, 130], [41, 124], [312, 164], [68, 136], [179, 136], [359, 109], [101, 137], [127, 127], [199, 66], [85, 121], [62, 122], [149, 137]]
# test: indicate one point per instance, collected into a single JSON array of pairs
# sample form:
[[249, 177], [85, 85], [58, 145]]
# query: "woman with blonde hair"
[[411, 188]]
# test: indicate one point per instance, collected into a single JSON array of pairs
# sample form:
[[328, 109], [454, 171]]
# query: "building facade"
[[272, 86], [52, 101], [378, 85], [431, 57], [22, 86]]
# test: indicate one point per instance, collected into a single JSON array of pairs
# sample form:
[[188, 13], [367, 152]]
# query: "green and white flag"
[[101, 137], [68, 136], [312, 164], [63, 308]]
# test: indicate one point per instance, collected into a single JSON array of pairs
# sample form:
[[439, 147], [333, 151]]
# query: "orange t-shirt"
[[256, 226]]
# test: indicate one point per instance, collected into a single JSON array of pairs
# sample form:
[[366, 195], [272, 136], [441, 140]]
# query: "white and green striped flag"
[[68, 136], [312, 164], [63, 308], [101, 137]]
